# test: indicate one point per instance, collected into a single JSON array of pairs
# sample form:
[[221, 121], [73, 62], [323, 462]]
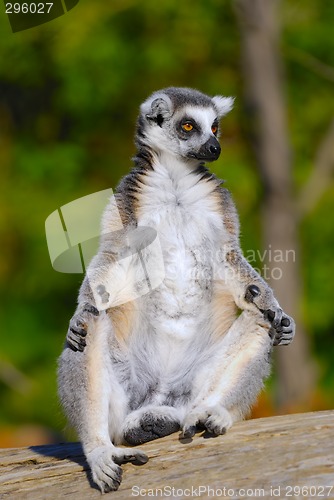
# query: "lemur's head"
[[183, 122]]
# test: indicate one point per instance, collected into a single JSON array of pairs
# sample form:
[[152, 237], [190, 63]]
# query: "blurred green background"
[[69, 96]]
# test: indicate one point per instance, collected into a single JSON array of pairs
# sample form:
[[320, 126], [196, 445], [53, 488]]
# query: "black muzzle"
[[210, 151]]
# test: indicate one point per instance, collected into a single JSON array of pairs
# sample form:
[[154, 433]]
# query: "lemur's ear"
[[157, 108], [222, 104]]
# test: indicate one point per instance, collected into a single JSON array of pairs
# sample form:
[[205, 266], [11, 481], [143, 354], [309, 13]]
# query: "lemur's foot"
[[104, 463], [150, 427], [216, 420], [77, 329], [105, 472]]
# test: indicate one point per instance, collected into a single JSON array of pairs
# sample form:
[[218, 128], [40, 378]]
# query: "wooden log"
[[269, 457]]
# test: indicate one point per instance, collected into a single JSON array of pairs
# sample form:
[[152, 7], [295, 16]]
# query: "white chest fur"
[[174, 200], [184, 212]]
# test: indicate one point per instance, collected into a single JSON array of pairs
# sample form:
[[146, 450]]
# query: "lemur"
[[194, 351]]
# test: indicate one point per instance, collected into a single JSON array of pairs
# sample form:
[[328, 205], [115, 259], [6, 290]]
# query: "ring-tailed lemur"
[[180, 355]]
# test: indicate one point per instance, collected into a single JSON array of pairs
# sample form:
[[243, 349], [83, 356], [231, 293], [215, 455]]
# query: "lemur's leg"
[[96, 404], [228, 385]]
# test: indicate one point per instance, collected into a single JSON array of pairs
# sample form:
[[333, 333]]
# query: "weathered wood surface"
[[268, 454]]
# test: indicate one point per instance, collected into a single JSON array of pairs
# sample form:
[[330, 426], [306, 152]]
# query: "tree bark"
[[265, 106]]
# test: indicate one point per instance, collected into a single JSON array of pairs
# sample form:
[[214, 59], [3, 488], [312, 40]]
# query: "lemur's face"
[[195, 131], [188, 131]]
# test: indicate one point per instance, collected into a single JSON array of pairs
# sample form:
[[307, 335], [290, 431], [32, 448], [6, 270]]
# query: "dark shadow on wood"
[[71, 451]]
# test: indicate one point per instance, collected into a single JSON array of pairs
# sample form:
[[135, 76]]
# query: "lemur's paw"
[[285, 332], [282, 329], [124, 455], [77, 329], [265, 301], [105, 472], [216, 420], [219, 423], [150, 427]]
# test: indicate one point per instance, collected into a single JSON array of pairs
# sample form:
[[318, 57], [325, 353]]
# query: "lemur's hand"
[[282, 326], [77, 329], [285, 332], [265, 301]]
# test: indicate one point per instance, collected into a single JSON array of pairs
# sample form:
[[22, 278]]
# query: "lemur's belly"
[[179, 306]]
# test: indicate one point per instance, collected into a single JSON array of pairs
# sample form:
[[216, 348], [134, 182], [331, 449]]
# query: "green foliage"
[[69, 94]]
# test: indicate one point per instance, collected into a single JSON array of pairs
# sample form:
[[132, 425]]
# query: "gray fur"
[[171, 359]]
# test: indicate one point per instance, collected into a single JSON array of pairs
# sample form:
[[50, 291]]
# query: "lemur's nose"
[[209, 151], [212, 148]]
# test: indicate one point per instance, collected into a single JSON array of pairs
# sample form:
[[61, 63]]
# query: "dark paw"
[[189, 432], [266, 303], [89, 308], [274, 316], [284, 333], [150, 428], [215, 429], [112, 482], [77, 330], [137, 458], [252, 292]]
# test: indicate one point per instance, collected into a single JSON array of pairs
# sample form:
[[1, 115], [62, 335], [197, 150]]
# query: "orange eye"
[[187, 127], [214, 129]]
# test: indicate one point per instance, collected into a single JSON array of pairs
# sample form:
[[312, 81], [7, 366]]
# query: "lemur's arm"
[[86, 308], [112, 244], [248, 288]]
